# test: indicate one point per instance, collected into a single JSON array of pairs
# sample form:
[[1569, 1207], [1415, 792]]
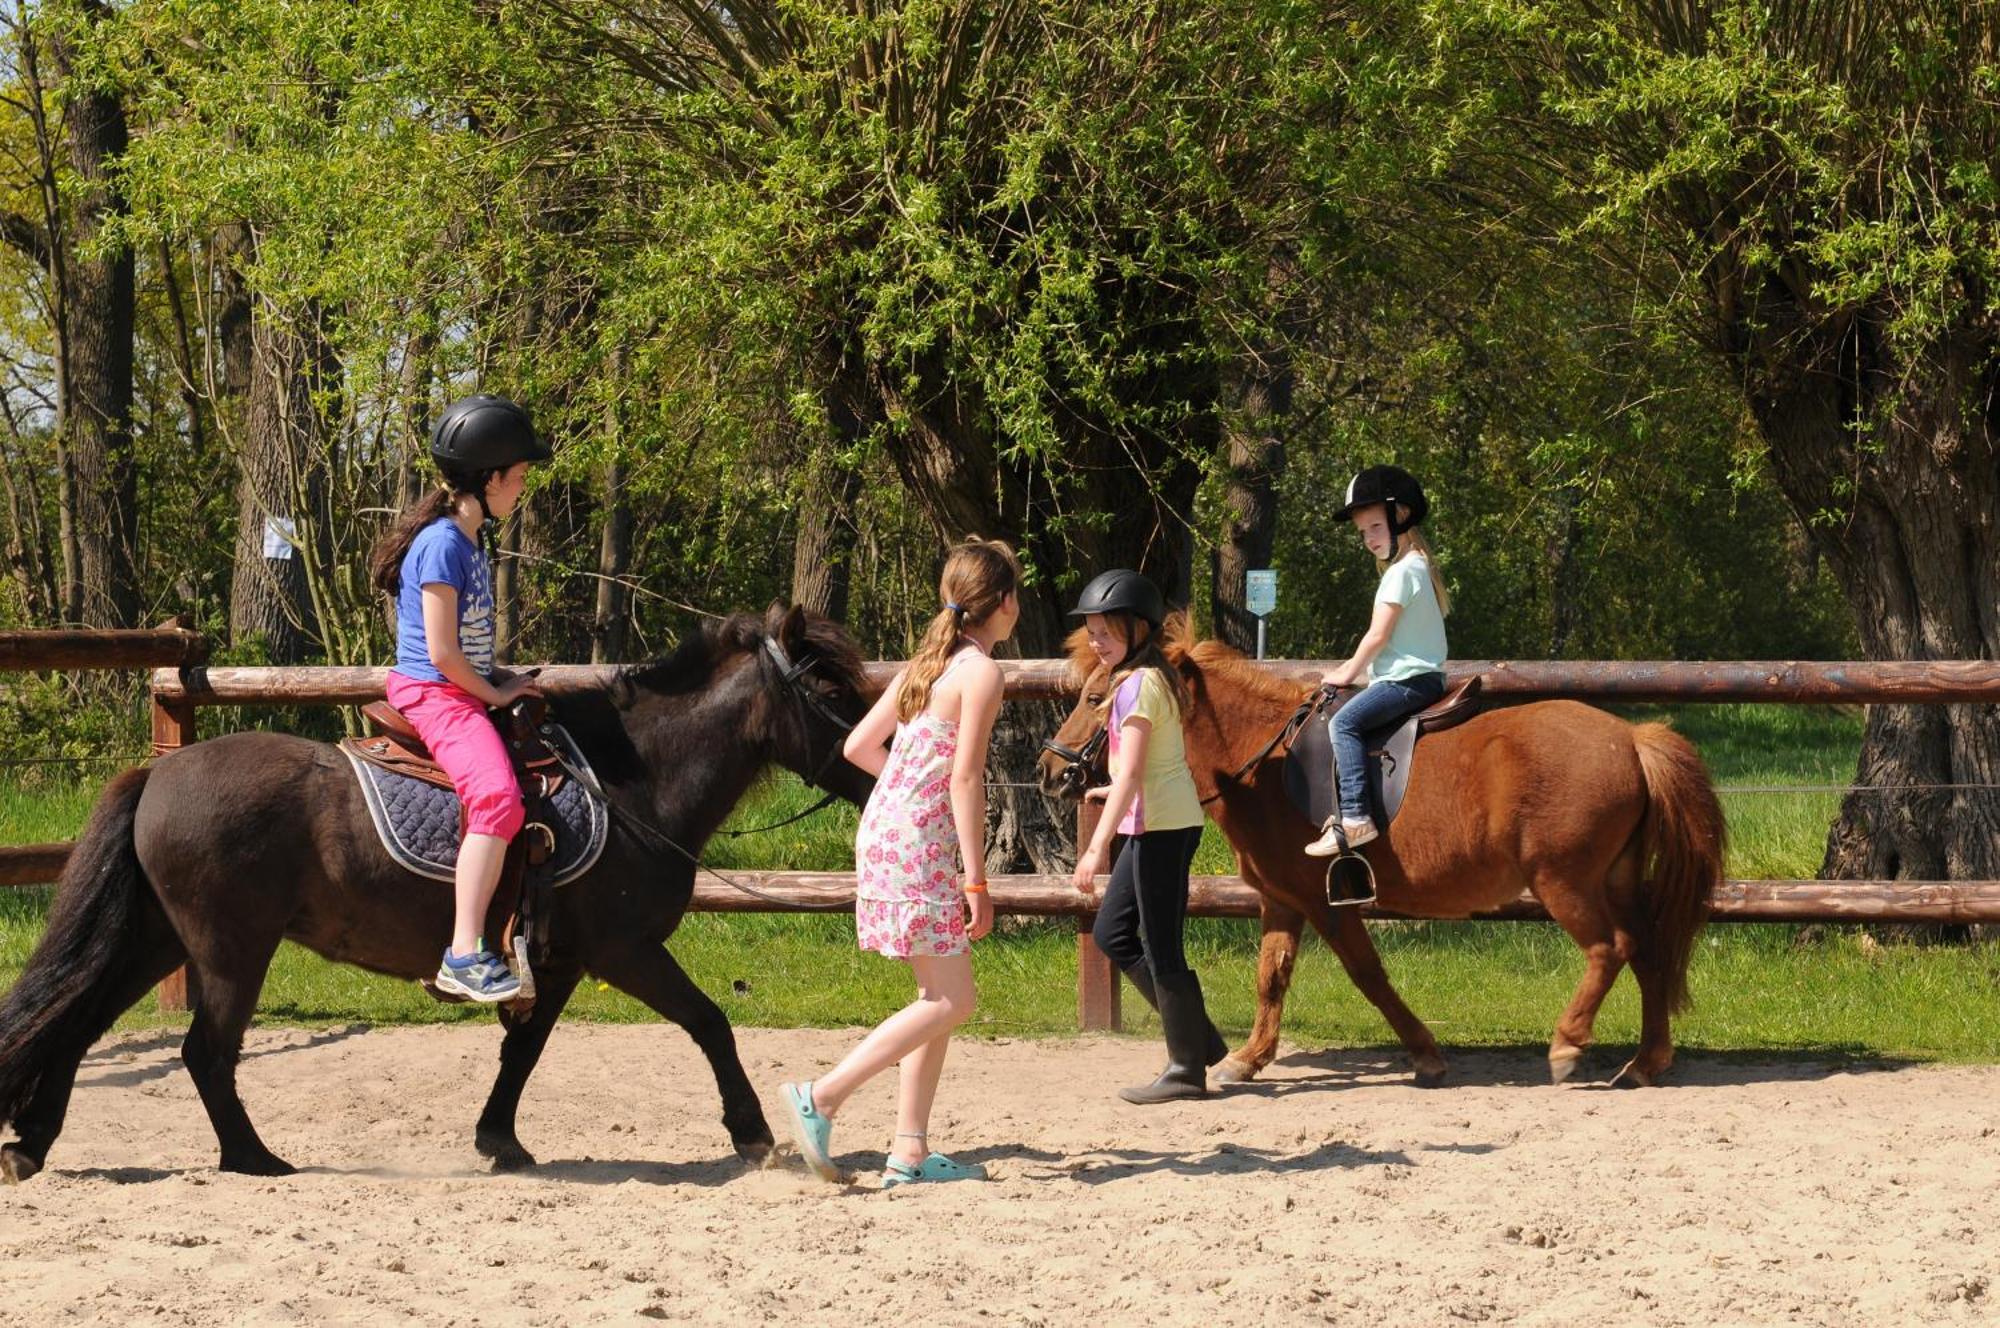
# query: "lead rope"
[[633, 821]]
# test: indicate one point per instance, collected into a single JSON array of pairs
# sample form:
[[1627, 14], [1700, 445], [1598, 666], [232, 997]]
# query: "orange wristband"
[[975, 887]]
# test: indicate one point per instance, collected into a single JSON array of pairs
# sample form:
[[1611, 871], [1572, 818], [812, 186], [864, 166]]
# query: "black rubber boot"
[[1141, 979], [1188, 1029]]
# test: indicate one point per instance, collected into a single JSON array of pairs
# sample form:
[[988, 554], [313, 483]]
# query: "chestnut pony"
[[217, 852], [1614, 827]]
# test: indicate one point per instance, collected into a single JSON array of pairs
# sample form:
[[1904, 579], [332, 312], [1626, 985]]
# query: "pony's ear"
[[791, 631]]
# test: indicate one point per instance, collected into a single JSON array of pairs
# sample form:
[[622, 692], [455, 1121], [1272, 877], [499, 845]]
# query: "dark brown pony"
[[216, 853], [1614, 827]]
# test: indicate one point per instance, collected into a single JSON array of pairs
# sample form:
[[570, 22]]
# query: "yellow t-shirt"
[[1166, 799]]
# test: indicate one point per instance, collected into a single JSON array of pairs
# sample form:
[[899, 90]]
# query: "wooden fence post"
[[173, 728], [1096, 979]]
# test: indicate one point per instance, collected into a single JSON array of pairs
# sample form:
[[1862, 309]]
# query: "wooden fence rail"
[[170, 644], [1853, 682]]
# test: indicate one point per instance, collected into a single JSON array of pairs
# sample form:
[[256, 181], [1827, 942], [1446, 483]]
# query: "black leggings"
[[1144, 910]]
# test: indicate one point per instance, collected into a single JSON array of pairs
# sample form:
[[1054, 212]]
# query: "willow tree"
[[1007, 242], [1809, 189], [1009, 245]]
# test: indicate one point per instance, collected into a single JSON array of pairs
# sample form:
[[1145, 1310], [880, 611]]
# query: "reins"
[[1284, 737]]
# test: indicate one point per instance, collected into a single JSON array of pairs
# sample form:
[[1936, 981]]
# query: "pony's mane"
[[692, 663], [1231, 665]]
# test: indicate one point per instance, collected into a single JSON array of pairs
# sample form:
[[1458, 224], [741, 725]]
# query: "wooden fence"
[[180, 692]]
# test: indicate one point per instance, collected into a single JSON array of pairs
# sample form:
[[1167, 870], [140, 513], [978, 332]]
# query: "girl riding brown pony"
[[1613, 826]]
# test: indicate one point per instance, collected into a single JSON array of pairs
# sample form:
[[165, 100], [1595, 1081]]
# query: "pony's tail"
[[1681, 842], [61, 992]]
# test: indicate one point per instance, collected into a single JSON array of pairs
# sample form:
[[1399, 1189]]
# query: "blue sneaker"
[[483, 977], [809, 1128]]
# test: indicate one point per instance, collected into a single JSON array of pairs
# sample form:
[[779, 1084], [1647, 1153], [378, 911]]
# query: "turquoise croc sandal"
[[936, 1167], [810, 1129]]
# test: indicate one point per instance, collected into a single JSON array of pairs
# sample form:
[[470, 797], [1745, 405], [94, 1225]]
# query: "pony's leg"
[[214, 1045], [519, 1051], [1604, 953], [1656, 1039], [649, 973], [1275, 956], [1348, 935]]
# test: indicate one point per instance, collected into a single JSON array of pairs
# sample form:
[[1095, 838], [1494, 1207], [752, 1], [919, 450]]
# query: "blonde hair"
[[978, 574], [1418, 544]]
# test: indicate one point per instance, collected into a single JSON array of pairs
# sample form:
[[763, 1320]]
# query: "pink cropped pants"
[[453, 724]]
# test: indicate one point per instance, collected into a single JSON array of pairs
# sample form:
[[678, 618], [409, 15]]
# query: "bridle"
[[1073, 780], [805, 698]]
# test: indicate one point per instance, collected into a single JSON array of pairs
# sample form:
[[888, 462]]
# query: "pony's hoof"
[[504, 1152], [1233, 1071], [755, 1152], [266, 1164], [1635, 1076], [1563, 1063], [1430, 1076], [16, 1166]]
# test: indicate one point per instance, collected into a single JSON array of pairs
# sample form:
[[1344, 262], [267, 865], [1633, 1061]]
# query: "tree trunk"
[[98, 314], [823, 551], [1256, 461], [609, 627], [1894, 470], [281, 484], [1144, 484]]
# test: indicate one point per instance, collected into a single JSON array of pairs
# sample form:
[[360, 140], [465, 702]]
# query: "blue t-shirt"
[[442, 555]]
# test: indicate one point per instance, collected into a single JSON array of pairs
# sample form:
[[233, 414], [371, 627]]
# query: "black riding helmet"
[[1388, 485], [485, 433], [1122, 590]]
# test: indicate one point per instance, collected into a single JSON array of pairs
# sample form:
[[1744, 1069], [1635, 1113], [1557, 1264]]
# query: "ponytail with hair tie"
[[978, 574]]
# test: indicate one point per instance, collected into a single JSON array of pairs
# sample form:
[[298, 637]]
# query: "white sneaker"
[[1329, 844]]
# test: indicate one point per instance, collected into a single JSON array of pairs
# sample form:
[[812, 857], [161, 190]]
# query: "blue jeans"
[[1380, 705]]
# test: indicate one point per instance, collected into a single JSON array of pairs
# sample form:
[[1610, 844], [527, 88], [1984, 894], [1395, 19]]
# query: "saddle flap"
[[391, 754], [1310, 782], [389, 722]]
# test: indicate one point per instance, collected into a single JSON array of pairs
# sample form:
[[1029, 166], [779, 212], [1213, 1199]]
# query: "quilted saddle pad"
[[418, 822]]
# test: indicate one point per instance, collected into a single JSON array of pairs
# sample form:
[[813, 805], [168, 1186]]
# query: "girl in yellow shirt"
[[1151, 802]]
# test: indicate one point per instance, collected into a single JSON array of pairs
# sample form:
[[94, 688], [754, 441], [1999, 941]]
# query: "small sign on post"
[[1260, 597]]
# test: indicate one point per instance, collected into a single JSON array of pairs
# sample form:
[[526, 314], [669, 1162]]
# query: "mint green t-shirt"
[[1416, 643]]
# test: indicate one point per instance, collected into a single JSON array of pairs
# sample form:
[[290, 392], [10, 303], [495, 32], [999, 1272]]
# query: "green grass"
[[1757, 988]]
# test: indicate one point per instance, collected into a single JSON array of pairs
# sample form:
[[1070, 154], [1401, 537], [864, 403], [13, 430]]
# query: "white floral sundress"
[[906, 862]]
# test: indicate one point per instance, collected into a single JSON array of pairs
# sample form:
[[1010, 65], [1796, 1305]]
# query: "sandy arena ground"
[[1744, 1193]]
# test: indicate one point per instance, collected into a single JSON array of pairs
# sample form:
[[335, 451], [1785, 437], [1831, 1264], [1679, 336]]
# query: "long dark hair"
[[385, 561]]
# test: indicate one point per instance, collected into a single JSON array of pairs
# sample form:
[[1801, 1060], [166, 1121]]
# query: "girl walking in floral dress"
[[919, 859]]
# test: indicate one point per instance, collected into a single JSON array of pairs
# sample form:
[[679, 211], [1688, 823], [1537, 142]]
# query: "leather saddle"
[[520, 904], [393, 744], [1310, 782]]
